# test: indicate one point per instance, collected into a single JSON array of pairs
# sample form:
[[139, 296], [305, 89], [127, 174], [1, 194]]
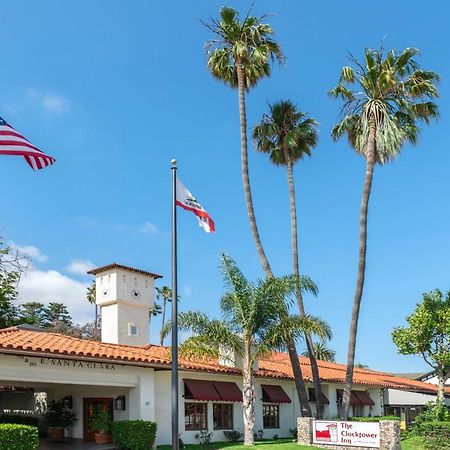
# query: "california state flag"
[[187, 201]]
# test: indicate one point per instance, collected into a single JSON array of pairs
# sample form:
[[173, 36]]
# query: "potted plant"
[[56, 418], [100, 423]]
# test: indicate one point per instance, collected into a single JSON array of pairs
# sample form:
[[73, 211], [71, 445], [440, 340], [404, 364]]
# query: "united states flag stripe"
[[13, 143]]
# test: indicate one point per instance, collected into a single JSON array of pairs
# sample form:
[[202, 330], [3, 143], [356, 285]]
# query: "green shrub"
[[233, 435], [19, 419], [18, 437], [434, 411], [373, 419], [134, 434], [437, 436]]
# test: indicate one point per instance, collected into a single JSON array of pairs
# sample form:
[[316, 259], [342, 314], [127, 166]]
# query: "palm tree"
[[90, 296], [165, 295], [240, 56], [254, 324], [288, 135], [321, 352], [384, 99]]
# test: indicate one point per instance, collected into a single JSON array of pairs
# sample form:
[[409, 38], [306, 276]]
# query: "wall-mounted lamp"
[[67, 402], [119, 403]]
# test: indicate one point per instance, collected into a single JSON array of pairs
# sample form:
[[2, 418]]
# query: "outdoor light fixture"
[[119, 403], [67, 402]]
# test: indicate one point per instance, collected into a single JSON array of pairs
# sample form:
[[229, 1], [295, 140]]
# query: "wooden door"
[[89, 406]]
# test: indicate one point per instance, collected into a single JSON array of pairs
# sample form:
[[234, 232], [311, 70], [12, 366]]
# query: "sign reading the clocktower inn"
[[349, 434]]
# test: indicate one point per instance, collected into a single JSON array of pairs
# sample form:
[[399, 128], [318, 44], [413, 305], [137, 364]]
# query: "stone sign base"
[[389, 435]]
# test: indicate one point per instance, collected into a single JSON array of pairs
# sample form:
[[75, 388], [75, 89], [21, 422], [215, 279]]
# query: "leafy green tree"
[[428, 335], [90, 297], [322, 352], [253, 324], [240, 55], [384, 99], [8, 295], [287, 135], [31, 313], [56, 315], [164, 294]]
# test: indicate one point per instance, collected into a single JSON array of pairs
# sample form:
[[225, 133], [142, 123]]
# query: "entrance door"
[[89, 407]]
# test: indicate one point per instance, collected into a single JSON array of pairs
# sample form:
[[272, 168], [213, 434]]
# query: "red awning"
[[276, 394], [364, 398], [228, 391], [202, 390], [359, 398]]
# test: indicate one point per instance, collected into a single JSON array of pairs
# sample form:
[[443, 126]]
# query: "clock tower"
[[126, 297]]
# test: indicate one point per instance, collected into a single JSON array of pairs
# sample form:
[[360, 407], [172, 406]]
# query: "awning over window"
[[359, 398], [206, 390], [364, 398], [228, 391], [202, 390], [275, 394]]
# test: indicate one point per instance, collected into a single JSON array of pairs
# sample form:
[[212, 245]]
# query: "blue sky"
[[114, 93]]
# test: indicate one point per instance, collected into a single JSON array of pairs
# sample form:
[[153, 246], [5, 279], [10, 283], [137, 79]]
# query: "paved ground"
[[73, 444]]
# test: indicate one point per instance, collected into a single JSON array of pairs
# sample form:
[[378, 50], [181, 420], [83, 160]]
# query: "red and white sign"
[[351, 434]]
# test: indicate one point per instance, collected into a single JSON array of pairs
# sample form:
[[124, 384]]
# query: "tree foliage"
[[390, 91], [321, 352], [428, 333]]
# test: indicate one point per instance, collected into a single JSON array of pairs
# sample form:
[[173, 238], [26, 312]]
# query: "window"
[[195, 416], [311, 395], [132, 329], [357, 411], [271, 416], [223, 416]]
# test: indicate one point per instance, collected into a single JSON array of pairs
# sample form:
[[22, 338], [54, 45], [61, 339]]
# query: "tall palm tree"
[[240, 55], [251, 327], [163, 294], [288, 135], [322, 352], [385, 97]]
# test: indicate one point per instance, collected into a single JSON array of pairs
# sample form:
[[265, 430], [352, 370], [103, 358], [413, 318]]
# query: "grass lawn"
[[413, 443], [281, 444]]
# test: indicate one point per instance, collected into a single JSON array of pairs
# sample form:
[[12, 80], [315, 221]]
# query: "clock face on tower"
[[135, 294]]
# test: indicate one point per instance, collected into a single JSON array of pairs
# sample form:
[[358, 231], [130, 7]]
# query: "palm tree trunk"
[[370, 164], [244, 167], [248, 398], [161, 340], [301, 307], [300, 383]]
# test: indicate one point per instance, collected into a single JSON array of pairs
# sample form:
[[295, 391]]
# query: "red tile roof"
[[25, 341]]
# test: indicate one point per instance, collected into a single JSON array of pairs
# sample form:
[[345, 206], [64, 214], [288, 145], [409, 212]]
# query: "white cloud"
[[30, 251], [80, 266], [52, 286], [51, 103], [149, 228]]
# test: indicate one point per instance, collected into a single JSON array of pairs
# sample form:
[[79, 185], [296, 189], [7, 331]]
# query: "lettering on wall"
[[71, 363], [352, 434]]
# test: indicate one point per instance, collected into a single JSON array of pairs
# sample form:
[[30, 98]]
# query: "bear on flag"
[[187, 201]]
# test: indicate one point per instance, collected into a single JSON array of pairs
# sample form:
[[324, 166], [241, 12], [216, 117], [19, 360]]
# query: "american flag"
[[13, 143]]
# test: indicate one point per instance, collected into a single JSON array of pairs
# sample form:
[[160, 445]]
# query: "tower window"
[[132, 329]]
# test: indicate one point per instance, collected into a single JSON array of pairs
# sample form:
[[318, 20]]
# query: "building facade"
[[131, 379]]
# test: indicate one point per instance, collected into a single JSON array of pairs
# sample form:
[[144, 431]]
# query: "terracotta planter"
[[56, 433], [102, 438]]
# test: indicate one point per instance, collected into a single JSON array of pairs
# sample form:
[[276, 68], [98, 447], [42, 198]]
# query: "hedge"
[[427, 428], [19, 419], [373, 419], [18, 437], [133, 434]]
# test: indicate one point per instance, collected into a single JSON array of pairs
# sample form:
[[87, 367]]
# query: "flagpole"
[[175, 436]]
